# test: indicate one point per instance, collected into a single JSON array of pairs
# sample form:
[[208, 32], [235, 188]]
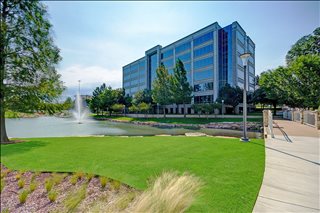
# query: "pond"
[[61, 127]]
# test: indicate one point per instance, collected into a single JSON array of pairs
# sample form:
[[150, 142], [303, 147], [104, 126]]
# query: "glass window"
[[187, 66], [203, 63], [240, 49], [183, 47], [170, 71], [168, 63], [185, 57], [203, 87], [126, 84], [167, 54], [203, 75], [203, 50], [240, 74], [153, 66], [134, 67], [203, 99], [203, 38], [142, 65], [240, 37]]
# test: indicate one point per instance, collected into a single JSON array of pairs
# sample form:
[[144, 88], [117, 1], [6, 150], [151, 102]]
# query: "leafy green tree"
[[273, 83], [118, 108], [96, 103], [231, 95], [108, 99], [133, 109], [142, 96], [307, 45], [304, 84], [161, 87], [28, 56], [260, 97], [67, 104], [144, 107], [180, 88]]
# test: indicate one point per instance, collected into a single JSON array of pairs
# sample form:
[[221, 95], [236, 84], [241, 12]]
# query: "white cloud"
[[90, 76]]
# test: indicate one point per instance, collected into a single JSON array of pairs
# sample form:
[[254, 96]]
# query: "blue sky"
[[98, 38]]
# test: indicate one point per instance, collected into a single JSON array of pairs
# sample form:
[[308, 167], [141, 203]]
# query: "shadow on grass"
[[19, 148]]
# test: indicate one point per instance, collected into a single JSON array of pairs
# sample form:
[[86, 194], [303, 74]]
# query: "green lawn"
[[180, 120], [232, 170]]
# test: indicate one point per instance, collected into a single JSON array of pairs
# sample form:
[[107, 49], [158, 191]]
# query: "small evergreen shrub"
[[115, 184]]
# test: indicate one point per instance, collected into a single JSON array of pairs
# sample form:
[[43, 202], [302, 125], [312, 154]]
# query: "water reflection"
[[58, 127]]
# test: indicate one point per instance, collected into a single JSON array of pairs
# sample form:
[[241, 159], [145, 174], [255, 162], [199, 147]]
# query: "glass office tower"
[[210, 56]]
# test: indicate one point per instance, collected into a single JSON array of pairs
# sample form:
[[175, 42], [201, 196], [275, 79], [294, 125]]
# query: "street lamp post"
[[222, 101], [244, 57]]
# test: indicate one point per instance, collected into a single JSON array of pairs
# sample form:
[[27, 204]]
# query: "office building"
[[210, 56]]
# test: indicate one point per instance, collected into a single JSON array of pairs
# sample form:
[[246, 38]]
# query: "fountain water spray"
[[79, 112]]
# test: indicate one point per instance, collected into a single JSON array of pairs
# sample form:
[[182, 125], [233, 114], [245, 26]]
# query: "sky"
[[98, 38]]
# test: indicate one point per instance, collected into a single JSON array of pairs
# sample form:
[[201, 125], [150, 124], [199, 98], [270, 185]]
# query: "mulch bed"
[[38, 201]]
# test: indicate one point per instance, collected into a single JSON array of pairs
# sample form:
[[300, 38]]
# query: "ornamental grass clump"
[[52, 195], [89, 176], [103, 181], [48, 184], [169, 193], [33, 185], [21, 183], [76, 177], [115, 184], [3, 183], [23, 196], [74, 198]]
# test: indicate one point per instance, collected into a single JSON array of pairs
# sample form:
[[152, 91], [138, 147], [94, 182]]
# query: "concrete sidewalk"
[[291, 178]]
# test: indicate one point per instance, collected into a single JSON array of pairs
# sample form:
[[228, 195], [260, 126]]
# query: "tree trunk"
[[3, 133], [274, 108], [164, 111], [184, 110]]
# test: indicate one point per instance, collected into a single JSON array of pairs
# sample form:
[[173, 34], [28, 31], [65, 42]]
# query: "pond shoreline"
[[252, 126]]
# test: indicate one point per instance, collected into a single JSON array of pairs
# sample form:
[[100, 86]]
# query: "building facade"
[[211, 57]]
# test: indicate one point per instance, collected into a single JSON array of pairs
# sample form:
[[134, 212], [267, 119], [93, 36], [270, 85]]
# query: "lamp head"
[[245, 57]]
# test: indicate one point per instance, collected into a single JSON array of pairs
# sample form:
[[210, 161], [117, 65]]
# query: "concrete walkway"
[[291, 178]]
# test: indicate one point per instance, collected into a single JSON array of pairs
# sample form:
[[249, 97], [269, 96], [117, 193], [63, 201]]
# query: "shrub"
[[115, 184], [74, 198], [21, 183], [49, 184], [23, 196], [169, 193], [52, 195], [103, 181], [3, 183], [32, 186]]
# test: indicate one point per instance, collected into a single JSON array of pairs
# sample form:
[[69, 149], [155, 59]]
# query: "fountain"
[[79, 113]]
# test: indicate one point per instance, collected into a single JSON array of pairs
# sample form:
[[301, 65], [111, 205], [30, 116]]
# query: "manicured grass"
[[180, 120], [231, 170]]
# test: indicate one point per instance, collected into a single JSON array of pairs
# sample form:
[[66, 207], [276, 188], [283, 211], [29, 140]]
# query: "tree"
[[272, 82], [67, 104], [95, 104], [161, 87], [307, 45], [133, 108], [108, 99], [142, 96], [144, 107], [28, 56], [304, 85], [231, 95], [118, 108], [180, 87]]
